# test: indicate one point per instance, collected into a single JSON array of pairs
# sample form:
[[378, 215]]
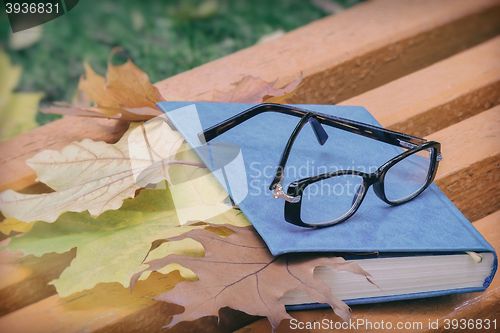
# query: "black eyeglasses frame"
[[293, 195]]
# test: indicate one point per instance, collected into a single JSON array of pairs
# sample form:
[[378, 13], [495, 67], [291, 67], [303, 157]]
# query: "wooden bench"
[[425, 67]]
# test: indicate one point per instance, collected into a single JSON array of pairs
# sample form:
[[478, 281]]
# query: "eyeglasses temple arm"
[[224, 126], [308, 117], [371, 131]]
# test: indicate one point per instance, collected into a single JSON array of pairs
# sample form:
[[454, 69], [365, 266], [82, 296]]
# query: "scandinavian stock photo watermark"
[[365, 324], [260, 175]]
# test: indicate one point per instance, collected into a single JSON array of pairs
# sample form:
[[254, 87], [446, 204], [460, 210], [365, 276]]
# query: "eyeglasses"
[[340, 193]]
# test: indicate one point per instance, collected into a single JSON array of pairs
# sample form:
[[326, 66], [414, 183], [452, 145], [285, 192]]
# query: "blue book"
[[423, 248]]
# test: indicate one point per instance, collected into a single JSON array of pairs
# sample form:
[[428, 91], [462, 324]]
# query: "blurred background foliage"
[[162, 37]]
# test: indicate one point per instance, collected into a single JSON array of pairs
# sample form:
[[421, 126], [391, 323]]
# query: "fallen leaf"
[[129, 114], [129, 86], [271, 36], [239, 272], [9, 78], [160, 248], [328, 6], [109, 248], [17, 109], [126, 93], [114, 296], [10, 225], [196, 193], [251, 89], [189, 11], [108, 301], [96, 176], [113, 246], [19, 114], [23, 39]]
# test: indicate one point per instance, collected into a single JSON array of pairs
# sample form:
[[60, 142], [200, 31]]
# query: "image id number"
[[31, 8], [470, 324]]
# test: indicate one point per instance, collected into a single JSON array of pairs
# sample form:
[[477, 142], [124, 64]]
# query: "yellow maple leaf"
[[10, 225], [125, 93], [17, 109]]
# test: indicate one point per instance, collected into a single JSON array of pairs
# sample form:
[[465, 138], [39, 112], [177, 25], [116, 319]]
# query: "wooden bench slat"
[[439, 95], [110, 305], [477, 305], [338, 58], [468, 173], [477, 137], [26, 281]]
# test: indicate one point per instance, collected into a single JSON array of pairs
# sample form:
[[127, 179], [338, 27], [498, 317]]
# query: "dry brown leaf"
[[126, 93], [251, 89], [97, 176], [130, 87], [239, 272]]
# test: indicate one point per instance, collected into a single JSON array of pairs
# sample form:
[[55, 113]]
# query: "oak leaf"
[[97, 176], [251, 89], [239, 272], [126, 93]]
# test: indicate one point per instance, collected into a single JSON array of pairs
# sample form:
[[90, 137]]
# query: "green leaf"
[[113, 246], [110, 247]]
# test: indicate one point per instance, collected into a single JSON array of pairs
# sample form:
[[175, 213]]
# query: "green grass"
[[162, 37]]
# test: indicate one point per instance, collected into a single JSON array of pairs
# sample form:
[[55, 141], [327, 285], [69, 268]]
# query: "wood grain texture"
[[468, 173], [439, 95], [468, 142], [473, 305], [339, 56]]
